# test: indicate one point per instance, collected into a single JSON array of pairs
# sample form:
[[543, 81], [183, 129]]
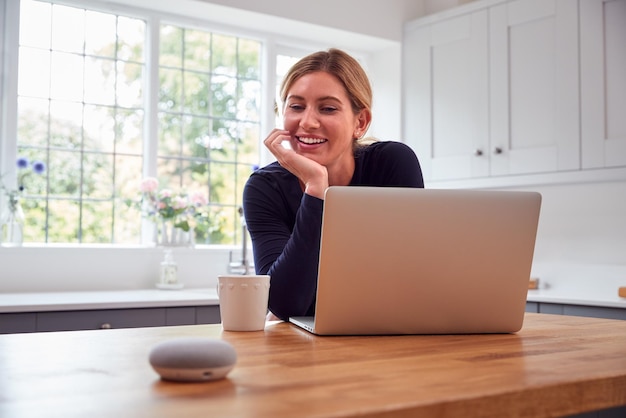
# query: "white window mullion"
[[151, 121], [8, 90], [151, 97], [268, 77]]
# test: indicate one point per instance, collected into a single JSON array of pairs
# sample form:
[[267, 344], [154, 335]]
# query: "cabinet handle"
[[106, 325], [478, 152], [497, 150]]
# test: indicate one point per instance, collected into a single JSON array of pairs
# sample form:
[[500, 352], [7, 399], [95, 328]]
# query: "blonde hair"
[[346, 69]]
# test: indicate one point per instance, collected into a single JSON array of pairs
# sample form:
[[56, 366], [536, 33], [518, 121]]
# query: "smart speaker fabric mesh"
[[191, 359]]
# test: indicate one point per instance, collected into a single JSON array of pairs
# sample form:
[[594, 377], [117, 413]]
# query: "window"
[[284, 61], [88, 107]]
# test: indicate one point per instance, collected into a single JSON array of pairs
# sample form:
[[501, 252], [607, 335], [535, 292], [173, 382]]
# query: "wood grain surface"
[[556, 365]]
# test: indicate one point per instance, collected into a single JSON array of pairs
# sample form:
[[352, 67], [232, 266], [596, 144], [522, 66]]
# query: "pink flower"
[[198, 199], [179, 202], [149, 185], [165, 193]]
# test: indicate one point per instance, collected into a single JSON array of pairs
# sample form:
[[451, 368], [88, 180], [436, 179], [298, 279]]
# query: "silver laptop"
[[423, 261]]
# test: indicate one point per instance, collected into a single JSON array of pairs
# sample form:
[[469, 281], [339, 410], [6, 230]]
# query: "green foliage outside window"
[[81, 109]]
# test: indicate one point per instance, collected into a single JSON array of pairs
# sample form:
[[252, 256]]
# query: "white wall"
[[583, 223], [582, 231], [376, 18]]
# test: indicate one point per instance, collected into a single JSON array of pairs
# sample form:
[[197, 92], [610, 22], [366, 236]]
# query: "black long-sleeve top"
[[285, 223]]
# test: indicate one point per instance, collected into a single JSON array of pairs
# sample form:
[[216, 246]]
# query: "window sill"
[[67, 268]]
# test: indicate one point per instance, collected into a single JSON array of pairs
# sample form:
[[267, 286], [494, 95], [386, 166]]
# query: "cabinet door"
[[534, 96], [100, 319], [603, 82], [18, 322], [446, 96]]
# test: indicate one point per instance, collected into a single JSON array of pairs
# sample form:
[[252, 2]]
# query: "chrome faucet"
[[243, 266]]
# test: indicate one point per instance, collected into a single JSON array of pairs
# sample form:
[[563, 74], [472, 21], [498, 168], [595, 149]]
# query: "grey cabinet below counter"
[[74, 320], [576, 310]]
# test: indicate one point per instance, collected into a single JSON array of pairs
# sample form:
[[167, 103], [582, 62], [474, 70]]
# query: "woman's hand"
[[312, 175]]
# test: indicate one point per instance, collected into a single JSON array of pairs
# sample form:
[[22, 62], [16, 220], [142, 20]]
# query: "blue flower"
[[39, 167], [24, 168], [22, 163]]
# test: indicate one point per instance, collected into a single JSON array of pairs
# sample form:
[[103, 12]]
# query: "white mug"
[[243, 301]]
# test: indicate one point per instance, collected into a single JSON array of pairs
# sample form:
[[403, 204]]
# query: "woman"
[[327, 102]]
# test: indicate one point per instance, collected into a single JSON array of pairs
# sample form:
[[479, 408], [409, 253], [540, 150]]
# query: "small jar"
[[169, 270]]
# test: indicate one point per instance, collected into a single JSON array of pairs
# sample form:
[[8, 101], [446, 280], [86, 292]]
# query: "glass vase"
[[168, 235], [12, 224]]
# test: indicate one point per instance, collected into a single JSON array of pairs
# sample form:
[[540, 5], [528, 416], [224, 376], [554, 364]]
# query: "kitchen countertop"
[[555, 366], [573, 292], [579, 291], [106, 299]]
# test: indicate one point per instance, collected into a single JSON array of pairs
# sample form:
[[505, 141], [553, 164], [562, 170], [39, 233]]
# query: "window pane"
[[66, 77], [34, 73], [248, 150], [169, 134], [99, 31], [170, 89], [131, 38], [129, 84], [222, 189], [100, 81], [64, 173], [99, 128], [224, 97], [97, 176], [66, 36], [168, 172], [223, 140], [127, 176], [249, 98], [32, 121], [35, 30], [196, 93], [196, 139], [197, 50], [97, 222], [224, 55], [171, 47], [66, 125], [63, 216], [129, 132], [249, 59], [34, 220]]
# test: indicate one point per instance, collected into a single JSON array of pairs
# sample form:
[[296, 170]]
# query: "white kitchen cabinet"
[[534, 87], [603, 82], [493, 90], [446, 96]]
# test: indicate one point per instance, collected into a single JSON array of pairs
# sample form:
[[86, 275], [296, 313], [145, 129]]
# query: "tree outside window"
[[82, 109]]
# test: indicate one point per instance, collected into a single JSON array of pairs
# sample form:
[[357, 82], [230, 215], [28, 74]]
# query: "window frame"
[[153, 19], [97, 267]]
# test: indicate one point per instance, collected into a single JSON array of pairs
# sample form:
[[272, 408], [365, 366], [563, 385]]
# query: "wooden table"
[[556, 365]]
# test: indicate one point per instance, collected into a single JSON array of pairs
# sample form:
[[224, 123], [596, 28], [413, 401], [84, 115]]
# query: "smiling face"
[[319, 116]]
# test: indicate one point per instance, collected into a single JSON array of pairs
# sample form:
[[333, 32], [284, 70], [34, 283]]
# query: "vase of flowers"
[[12, 215], [175, 215], [12, 223]]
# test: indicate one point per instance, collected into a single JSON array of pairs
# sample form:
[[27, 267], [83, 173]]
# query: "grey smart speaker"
[[193, 359]]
